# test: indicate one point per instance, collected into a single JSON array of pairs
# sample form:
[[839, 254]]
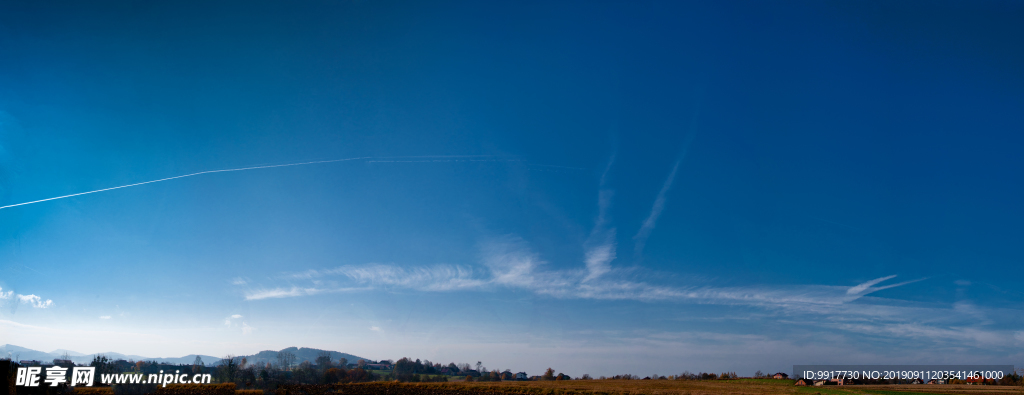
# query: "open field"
[[659, 387], [931, 389], [574, 387]]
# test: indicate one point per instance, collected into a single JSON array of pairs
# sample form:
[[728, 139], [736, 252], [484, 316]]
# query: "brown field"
[[630, 387], [587, 387]]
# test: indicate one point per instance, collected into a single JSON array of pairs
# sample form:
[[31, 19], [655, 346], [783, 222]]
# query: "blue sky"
[[600, 187]]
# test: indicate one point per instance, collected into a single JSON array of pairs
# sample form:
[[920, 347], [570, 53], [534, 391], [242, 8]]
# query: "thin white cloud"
[[599, 249], [104, 317], [599, 258], [860, 288], [433, 278], [656, 209], [659, 202], [236, 316], [963, 335], [868, 287], [239, 281], [511, 264], [365, 158], [246, 329], [375, 328], [279, 292]]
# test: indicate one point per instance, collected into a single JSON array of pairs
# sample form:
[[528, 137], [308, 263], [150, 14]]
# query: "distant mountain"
[[21, 353], [61, 351], [301, 354]]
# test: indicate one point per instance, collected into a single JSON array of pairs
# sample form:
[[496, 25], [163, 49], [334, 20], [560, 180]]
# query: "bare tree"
[[285, 359], [323, 360], [197, 365], [228, 369]]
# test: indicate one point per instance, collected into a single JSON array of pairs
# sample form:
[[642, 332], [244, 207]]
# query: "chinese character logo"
[[83, 376], [28, 377], [55, 375]]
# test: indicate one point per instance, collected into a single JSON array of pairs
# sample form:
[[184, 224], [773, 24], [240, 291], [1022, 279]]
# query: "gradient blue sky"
[[600, 187]]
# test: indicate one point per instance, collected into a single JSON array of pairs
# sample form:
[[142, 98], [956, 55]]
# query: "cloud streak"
[[600, 245], [448, 158], [509, 263], [181, 176], [656, 209], [659, 202]]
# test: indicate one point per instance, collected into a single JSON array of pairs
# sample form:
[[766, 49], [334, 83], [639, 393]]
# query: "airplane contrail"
[[229, 170]]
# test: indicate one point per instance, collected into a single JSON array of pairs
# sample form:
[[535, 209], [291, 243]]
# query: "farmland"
[[611, 387], [723, 387]]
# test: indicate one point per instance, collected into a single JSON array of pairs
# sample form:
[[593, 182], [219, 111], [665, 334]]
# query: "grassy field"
[[657, 387]]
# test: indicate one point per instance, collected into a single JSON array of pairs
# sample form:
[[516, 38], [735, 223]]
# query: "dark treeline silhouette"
[[686, 375], [269, 376]]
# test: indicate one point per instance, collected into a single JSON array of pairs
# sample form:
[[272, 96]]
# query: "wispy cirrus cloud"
[[659, 205], [431, 278], [869, 287], [294, 291], [509, 263], [281, 293], [600, 245], [659, 202]]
